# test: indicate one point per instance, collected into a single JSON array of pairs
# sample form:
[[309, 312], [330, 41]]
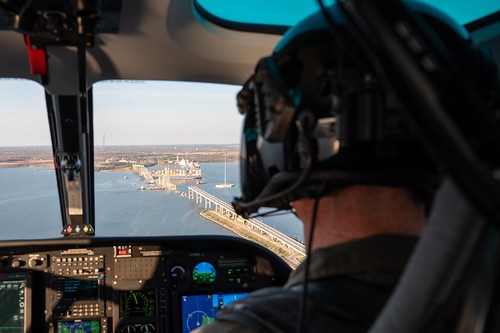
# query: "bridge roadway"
[[207, 199]]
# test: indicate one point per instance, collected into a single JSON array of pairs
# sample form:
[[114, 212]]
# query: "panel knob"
[[16, 263]]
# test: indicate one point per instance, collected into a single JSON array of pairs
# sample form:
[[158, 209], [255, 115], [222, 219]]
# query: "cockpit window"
[[29, 203], [277, 15], [160, 145]]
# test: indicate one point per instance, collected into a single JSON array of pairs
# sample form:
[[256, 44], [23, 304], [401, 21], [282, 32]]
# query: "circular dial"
[[128, 329], [177, 273], [138, 327], [148, 328], [204, 273], [137, 303]]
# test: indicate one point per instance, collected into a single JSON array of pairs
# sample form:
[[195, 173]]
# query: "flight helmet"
[[318, 119]]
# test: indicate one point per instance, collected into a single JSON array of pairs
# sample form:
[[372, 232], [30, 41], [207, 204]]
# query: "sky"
[[129, 113]]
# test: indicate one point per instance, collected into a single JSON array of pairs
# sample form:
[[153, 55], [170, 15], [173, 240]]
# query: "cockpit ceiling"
[[65, 16], [155, 40]]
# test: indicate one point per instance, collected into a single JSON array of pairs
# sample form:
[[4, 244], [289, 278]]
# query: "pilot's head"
[[317, 119]]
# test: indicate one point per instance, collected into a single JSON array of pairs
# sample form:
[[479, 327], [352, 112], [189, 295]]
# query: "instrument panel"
[[103, 285]]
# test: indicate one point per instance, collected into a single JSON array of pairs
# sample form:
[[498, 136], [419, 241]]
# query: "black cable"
[[274, 212], [337, 39], [263, 201], [327, 15], [303, 298]]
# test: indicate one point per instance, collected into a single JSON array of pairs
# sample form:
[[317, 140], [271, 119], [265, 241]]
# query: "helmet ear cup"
[[252, 173], [275, 107], [269, 111]]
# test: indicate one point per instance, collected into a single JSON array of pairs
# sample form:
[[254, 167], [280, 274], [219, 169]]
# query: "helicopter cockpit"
[[136, 277]]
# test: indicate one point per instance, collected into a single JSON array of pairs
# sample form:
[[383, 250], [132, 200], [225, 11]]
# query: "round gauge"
[[204, 273], [177, 273], [138, 327], [128, 329], [148, 328], [137, 303]]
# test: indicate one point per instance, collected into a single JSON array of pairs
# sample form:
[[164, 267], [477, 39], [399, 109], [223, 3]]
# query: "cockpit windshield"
[[29, 202], [156, 144]]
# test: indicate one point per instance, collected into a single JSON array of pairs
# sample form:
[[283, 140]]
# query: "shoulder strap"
[[341, 304]]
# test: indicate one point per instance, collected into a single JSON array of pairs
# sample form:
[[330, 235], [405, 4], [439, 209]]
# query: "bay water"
[[29, 205]]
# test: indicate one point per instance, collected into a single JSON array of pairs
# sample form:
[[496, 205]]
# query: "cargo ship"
[[179, 170]]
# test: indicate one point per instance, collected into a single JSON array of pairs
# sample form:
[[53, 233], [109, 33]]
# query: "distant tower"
[[104, 140]]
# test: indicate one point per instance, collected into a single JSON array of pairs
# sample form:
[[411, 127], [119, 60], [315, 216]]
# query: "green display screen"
[[12, 303], [137, 303], [79, 326]]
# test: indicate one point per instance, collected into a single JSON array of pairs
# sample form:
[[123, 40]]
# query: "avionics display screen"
[[79, 326], [137, 303], [12, 303], [199, 310], [76, 290]]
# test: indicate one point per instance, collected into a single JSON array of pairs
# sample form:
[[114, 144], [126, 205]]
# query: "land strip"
[[121, 158], [291, 257]]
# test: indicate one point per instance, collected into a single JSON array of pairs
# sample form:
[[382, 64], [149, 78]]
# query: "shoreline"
[[50, 165], [28, 164], [118, 157]]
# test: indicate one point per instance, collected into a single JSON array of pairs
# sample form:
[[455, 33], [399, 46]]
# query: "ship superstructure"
[[180, 170]]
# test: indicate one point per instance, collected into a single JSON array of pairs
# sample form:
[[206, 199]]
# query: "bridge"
[[207, 201]]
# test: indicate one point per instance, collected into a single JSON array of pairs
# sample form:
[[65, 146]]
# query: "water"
[[29, 205]]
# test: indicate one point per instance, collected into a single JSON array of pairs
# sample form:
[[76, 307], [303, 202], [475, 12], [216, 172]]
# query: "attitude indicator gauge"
[[204, 273]]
